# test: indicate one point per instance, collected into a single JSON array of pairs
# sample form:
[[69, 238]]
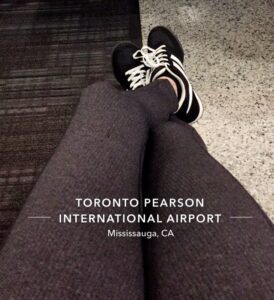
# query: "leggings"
[[128, 145]]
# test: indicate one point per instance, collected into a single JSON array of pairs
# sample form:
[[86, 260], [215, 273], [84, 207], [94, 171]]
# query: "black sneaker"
[[128, 67], [168, 58]]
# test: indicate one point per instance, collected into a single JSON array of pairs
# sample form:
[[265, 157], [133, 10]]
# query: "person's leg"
[[99, 157], [232, 259]]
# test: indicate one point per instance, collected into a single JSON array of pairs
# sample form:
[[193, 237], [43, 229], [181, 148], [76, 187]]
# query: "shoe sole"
[[201, 111]]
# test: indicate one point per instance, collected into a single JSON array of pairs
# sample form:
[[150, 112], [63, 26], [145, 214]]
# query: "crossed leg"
[[100, 156]]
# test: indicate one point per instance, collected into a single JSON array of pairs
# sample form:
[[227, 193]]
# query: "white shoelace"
[[151, 58], [137, 76]]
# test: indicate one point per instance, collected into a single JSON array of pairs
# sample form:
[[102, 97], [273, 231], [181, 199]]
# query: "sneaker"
[[167, 57], [128, 67]]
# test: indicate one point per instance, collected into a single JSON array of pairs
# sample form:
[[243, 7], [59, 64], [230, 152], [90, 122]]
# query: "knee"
[[177, 134], [99, 94], [99, 87]]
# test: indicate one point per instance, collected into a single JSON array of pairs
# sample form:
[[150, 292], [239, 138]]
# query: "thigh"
[[229, 259], [99, 157]]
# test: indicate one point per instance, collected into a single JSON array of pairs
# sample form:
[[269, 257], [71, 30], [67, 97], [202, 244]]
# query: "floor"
[[50, 51], [229, 59]]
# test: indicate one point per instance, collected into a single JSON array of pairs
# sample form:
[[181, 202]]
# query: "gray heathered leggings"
[[101, 156]]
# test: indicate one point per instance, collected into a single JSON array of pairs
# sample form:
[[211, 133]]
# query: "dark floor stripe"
[[49, 51]]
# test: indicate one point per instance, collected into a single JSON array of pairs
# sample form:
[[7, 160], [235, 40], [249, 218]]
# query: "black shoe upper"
[[190, 107], [159, 36], [122, 61], [162, 36]]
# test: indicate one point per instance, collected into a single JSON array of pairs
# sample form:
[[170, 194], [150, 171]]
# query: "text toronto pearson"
[[134, 202]]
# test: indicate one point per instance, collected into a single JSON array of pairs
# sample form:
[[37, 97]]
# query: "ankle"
[[172, 82]]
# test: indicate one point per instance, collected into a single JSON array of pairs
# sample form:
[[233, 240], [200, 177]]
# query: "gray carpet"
[[49, 51]]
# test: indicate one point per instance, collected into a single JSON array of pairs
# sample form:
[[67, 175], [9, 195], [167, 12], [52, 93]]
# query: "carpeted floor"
[[49, 51]]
